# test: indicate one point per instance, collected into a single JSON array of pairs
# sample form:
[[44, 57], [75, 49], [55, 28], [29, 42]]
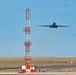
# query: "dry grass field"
[[39, 61]]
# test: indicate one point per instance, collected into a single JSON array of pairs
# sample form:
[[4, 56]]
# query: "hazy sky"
[[60, 42]]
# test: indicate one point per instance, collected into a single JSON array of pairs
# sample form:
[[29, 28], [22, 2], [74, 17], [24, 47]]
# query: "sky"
[[59, 42]]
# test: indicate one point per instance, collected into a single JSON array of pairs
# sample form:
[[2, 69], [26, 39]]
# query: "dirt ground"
[[39, 61]]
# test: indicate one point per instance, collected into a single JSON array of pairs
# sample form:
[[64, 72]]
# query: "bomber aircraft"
[[54, 25]]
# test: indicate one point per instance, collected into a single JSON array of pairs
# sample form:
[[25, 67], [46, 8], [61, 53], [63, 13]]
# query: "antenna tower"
[[27, 42]]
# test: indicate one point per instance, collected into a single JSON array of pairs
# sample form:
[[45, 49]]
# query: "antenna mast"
[[27, 42]]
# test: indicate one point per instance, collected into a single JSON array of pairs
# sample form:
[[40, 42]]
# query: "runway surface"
[[38, 73], [47, 67]]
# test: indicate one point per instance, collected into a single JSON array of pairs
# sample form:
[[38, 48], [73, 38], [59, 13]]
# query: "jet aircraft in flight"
[[54, 25]]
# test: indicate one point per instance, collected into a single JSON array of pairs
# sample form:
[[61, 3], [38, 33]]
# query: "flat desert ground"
[[38, 61]]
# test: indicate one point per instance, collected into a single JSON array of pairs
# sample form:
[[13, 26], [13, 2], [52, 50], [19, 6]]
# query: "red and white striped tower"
[[27, 42], [27, 67]]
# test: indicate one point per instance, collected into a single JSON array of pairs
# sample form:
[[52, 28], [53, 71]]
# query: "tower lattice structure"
[[27, 42]]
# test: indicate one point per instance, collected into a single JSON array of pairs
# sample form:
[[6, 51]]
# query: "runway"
[[42, 73], [54, 67], [46, 67], [38, 73]]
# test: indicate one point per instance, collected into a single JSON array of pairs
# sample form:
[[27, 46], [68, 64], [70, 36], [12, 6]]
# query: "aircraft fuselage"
[[54, 26]]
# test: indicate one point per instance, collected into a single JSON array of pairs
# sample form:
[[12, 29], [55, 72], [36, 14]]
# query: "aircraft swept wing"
[[62, 26], [44, 25]]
